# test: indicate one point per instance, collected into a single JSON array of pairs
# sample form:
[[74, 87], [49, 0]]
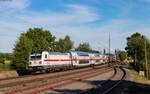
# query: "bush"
[[2, 60], [130, 65]]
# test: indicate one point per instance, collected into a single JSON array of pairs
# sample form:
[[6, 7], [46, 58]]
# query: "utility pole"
[[116, 55], [109, 46], [104, 52], [146, 65]]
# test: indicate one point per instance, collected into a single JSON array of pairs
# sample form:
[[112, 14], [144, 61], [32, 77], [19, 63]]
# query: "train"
[[45, 61]]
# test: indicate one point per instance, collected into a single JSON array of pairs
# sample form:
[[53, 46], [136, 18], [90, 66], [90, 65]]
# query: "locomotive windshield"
[[35, 57]]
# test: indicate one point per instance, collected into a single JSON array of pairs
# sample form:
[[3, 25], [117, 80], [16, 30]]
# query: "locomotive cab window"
[[35, 57]]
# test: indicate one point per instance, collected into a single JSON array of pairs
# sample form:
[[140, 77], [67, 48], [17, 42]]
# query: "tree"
[[21, 52], [64, 44], [42, 39], [121, 55], [135, 49], [95, 51], [2, 58], [68, 44], [60, 45], [84, 47], [35, 39]]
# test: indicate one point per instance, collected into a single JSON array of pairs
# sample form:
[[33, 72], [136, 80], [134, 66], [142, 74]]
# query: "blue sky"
[[83, 20]]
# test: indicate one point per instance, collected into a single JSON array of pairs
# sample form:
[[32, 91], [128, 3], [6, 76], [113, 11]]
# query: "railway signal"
[[109, 47]]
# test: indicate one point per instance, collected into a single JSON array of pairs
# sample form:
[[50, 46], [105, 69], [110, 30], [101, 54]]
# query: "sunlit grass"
[[5, 67], [141, 86], [139, 78]]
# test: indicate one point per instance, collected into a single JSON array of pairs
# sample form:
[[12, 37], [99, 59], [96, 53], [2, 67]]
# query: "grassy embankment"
[[141, 85], [6, 66]]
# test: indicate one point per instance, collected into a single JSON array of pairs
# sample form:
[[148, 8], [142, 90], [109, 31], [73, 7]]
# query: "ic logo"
[[34, 62]]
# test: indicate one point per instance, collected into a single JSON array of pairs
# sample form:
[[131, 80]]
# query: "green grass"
[[140, 79], [5, 67], [141, 86]]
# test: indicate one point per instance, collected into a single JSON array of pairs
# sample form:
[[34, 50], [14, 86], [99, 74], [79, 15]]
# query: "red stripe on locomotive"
[[70, 60]]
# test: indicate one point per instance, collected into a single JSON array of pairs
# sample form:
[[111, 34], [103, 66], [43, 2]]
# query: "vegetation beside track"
[[139, 78], [138, 48], [6, 66], [5, 62], [141, 85]]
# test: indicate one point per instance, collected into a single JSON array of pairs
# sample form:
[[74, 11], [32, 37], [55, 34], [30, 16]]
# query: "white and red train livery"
[[45, 60]]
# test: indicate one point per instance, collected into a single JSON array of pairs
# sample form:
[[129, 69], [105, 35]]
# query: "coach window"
[[45, 56]]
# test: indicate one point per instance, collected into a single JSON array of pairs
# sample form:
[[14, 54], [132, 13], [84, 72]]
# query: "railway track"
[[29, 79], [116, 83], [66, 79], [108, 85], [61, 81]]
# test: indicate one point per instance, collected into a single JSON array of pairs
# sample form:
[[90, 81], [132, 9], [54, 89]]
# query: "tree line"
[[121, 55], [36, 39], [4, 57]]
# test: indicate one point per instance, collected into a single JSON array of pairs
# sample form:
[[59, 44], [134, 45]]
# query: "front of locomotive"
[[35, 62]]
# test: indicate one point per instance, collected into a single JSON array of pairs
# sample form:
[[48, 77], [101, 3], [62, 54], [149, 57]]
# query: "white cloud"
[[83, 13], [62, 21], [146, 1], [75, 14], [7, 43], [143, 30], [74, 21], [10, 26], [14, 4], [97, 36]]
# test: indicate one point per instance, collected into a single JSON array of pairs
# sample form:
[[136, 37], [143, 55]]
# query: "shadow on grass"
[[126, 87]]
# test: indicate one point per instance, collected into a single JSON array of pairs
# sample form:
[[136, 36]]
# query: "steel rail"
[[65, 82], [50, 77], [104, 83], [115, 85]]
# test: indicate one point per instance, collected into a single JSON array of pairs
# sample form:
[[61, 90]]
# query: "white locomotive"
[[48, 61]]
